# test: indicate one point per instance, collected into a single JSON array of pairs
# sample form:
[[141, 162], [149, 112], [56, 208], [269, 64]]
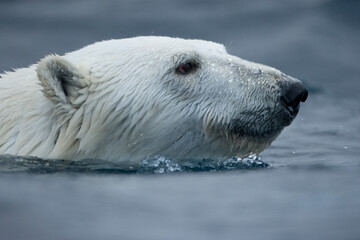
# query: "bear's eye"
[[186, 68]]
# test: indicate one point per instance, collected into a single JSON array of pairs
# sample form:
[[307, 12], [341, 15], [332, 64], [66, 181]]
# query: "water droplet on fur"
[[230, 80]]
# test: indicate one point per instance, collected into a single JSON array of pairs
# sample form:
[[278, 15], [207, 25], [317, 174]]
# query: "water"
[[156, 165], [305, 186]]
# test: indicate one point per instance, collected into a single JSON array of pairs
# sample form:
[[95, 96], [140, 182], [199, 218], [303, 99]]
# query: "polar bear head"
[[186, 99]]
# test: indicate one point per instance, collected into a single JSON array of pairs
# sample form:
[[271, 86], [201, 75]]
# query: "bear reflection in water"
[[128, 99]]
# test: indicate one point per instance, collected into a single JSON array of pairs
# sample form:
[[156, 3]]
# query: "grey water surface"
[[305, 186]]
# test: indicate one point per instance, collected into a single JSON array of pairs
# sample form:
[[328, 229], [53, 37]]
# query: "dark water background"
[[311, 190]]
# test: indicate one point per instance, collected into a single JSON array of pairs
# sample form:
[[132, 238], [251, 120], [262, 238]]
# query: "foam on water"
[[158, 165]]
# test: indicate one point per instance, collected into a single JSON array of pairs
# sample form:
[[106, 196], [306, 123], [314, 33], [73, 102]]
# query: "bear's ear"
[[62, 82]]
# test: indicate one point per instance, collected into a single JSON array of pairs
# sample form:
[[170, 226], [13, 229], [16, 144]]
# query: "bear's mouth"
[[262, 132]]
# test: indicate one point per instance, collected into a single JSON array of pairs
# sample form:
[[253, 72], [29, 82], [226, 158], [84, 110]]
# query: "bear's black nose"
[[292, 97]]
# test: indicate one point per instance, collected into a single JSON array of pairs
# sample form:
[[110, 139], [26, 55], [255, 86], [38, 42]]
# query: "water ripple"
[[156, 165]]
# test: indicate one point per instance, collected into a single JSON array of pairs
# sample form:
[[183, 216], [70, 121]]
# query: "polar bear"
[[128, 99]]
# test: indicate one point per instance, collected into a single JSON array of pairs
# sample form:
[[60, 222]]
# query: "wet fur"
[[122, 100]]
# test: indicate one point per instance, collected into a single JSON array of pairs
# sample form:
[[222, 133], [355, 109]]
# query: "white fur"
[[121, 100]]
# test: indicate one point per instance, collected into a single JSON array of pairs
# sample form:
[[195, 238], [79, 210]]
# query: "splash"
[[161, 164], [156, 165]]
